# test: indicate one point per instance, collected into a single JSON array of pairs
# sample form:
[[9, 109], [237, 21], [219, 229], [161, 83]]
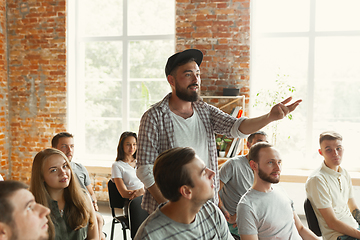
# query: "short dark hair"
[[7, 189], [329, 135], [255, 149], [120, 148], [55, 139], [170, 172], [252, 136]]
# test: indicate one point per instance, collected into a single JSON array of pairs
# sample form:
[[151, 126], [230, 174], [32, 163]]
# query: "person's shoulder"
[[76, 165]]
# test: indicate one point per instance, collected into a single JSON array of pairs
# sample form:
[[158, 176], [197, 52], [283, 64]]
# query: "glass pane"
[[92, 20], [332, 15], [102, 136], [103, 99], [145, 93], [103, 60], [281, 16], [151, 17], [279, 71], [148, 58], [337, 88]]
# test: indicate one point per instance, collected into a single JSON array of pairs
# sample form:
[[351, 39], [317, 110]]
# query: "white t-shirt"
[[127, 173], [190, 132]]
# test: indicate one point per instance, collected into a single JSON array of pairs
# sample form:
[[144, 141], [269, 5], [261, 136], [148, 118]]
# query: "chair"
[[117, 201], [136, 215], [311, 218]]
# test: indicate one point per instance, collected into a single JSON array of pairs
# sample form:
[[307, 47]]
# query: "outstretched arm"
[[277, 112]]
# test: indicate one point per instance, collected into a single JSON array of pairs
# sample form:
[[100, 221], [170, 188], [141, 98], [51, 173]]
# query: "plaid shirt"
[[156, 134]]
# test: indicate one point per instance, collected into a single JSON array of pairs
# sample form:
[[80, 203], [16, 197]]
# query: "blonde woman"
[[55, 186]]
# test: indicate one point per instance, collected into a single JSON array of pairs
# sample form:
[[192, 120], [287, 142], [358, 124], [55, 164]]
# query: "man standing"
[[184, 179], [64, 142], [182, 119], [330, 192], [265, 211], [21, 218], [236, 177]]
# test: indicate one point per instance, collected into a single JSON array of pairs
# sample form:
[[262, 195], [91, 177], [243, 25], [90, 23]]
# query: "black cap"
[[175, 59]]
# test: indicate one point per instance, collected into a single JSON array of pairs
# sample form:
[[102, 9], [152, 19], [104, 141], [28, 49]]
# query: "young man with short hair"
[[184, 179], [236, 177], [265, 211], [330, 192], [21, 218]]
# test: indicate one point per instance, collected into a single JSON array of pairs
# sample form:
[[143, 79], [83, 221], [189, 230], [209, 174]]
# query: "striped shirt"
[[209, 223], [156, 134]]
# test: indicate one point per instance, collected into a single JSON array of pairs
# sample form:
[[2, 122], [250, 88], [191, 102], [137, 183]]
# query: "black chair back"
[[117, 201], [311, 218], [136, 215]]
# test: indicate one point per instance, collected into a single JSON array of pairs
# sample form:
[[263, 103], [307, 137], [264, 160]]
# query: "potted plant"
[[222, 143]]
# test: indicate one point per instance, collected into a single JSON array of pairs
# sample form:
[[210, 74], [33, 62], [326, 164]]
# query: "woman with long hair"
[[55, 186], [123, 172]]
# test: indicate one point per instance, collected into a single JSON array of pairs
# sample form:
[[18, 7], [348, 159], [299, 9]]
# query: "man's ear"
[[248, 144], [171, 80], [253, 165], [320, 152], [185, 191], [5, 231]]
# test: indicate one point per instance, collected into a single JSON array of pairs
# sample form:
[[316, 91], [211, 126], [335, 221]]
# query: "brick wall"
[[220, 29], [4, 164], [37, 79]]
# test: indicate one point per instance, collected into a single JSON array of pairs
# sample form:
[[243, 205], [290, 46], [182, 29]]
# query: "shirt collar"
[[330, 171]]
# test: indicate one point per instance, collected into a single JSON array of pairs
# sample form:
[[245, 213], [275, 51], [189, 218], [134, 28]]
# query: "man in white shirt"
[[330, 192]]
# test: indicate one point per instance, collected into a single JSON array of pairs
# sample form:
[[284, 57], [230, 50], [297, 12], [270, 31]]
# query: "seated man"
[[236, 177], [330, 192], [21, 217], [188, 184], [265, 211]]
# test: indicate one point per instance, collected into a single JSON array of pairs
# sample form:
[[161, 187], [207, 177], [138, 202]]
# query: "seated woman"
[[123, 172], [55, 186]]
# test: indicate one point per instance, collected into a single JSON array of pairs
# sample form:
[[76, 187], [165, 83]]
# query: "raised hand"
[[280, 110]]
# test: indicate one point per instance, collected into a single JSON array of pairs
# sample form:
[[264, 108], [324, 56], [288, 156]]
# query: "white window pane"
[[102, 136], [148, 58], [100, 18], [333, 15], [151, 17], [103, 99], [103, 60], [281, 15], [145, 93]]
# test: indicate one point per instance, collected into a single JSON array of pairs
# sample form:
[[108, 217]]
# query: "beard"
[[184, 95], [267, 178]]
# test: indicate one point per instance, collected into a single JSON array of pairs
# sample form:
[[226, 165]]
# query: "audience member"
[[64, 142], [236, 177], [184, 179], [21, 218], [123, 172], [265, 211], [330, 192], [182, 119], [54, 186]]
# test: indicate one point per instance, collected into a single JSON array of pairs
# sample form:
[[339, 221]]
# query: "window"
[[116, 59], [313, 46]]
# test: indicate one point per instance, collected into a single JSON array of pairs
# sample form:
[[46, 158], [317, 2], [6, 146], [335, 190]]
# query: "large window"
[[117, 51], [312, 47]]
